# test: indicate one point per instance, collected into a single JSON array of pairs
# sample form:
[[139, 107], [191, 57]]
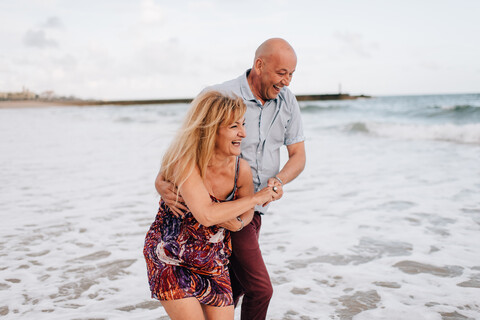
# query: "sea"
[[384, 222]]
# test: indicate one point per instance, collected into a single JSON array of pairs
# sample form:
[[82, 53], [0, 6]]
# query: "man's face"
[[276, 72]]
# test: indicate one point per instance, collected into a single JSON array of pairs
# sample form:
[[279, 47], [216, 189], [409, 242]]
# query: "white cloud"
[[38, 39], [151, 12], [430, 65], [53, 22], [200, 5], [155, 49], [355, 43]]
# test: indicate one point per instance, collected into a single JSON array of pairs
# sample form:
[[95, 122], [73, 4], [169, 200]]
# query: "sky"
[[152, 49]]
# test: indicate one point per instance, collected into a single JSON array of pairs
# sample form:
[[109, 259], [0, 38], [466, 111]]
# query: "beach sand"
[[376, 227], [32, 104]]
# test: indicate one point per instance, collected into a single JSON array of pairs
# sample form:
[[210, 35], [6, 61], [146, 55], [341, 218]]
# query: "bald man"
[[272, 120]]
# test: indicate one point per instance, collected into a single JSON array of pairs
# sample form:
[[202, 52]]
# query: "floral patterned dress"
[[186, 259]]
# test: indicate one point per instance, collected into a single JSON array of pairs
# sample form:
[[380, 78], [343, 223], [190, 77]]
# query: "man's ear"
[[259, 65]]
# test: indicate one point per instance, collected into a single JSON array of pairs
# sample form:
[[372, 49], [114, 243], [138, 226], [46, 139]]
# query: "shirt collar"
[[245, 88], [247, 93]]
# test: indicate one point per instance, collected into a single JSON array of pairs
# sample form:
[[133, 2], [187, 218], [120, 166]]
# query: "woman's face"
[[229, 138]]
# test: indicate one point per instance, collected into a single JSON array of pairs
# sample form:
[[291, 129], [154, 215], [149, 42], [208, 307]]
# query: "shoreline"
[[9, 104]]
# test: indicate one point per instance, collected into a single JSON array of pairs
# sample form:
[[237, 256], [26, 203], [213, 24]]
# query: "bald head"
[[272, 47], [273, 68]]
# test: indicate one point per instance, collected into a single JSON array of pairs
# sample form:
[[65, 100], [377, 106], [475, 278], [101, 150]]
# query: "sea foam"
[[466, 133], [382, 224]]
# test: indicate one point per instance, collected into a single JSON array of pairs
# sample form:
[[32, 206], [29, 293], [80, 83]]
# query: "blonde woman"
[[187, 254]]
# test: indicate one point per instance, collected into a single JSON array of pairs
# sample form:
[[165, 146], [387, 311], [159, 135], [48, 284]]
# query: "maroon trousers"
[[248, 273]]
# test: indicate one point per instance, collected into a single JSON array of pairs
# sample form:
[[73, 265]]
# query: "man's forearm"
[[291, 169], [295, 164]]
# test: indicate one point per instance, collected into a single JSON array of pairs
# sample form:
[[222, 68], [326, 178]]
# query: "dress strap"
[[236, 172], [231, 196]]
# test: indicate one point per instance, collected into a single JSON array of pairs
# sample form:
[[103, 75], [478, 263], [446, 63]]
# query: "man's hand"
[[231, 225], [272, 182], [278, 190], [168, 192]]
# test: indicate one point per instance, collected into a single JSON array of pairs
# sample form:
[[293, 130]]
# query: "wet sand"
[[373, 229], [32, 104]]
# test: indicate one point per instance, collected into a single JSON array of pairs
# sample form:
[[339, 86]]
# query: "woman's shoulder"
[[243, 164], [244, 170]]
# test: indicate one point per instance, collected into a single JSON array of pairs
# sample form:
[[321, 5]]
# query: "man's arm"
[[295, 164], [291, 169], [168, 192]]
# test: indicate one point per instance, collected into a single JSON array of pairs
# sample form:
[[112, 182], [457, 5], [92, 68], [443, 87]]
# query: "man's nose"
[[286, 80]]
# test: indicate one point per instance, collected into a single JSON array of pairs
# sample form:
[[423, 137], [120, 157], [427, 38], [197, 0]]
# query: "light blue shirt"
[[268, 127]]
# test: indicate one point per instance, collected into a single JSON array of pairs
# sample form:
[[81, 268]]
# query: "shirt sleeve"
[[294, 129]]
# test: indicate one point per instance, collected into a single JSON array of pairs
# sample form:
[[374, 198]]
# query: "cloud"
[[200, 5], [354, 42], [53, 22], [151, 12], [38, 39], [430, 65], [67, 61], [159, 57]]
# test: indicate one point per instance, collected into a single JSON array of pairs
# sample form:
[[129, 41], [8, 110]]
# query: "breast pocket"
[[278, 130]]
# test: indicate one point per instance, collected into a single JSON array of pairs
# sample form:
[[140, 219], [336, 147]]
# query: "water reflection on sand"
[[373, 229]]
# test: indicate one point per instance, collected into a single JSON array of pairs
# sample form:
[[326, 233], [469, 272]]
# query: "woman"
[[187, 255]]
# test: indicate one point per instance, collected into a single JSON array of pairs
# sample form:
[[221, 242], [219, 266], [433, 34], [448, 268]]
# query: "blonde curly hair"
[[195, 140]]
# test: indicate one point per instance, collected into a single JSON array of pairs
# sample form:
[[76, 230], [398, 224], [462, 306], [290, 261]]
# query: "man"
[[272, 120]]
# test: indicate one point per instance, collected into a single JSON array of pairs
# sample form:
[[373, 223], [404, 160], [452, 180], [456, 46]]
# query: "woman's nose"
[[242, 133]]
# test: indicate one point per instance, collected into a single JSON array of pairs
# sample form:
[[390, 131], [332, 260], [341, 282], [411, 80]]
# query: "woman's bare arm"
[[210, 213]]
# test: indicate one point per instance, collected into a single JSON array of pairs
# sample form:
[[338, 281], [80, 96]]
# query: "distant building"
[[25, 94], [47, 95]]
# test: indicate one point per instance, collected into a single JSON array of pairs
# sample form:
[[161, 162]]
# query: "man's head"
[[273, 68]]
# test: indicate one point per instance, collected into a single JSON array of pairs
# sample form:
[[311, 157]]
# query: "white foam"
[[77, 197], [466, 133]]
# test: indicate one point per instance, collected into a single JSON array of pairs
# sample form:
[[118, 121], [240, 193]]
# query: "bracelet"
[[279, 180], [241, 221]]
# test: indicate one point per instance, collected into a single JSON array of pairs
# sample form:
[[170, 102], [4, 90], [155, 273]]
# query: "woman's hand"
[[264, 196], [168, 192]]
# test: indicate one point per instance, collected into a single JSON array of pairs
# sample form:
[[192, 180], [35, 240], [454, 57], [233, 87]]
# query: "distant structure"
[[333, 96], [25, 94], [47, 95], [50, 97]]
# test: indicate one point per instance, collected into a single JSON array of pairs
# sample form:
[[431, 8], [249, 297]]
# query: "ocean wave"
[[461, 107], [460, 110], [313, 108], [467, 133], [463, 113]]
